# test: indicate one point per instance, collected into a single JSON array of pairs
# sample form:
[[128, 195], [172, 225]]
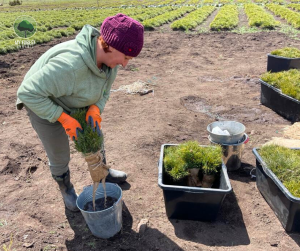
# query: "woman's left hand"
[[93, 117]]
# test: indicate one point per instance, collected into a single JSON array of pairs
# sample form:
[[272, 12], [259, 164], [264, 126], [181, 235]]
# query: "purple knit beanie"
[[124, 34]]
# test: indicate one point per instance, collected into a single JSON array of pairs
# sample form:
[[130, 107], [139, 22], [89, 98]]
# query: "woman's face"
[[116, 57]]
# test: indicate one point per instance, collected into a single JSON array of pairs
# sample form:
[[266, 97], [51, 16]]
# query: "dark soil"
[[100, 204]]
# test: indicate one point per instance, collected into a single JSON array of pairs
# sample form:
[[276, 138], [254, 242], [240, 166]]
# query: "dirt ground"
[[196, 80]]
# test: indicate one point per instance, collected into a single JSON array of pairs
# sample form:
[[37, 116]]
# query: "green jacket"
[[66, 77]]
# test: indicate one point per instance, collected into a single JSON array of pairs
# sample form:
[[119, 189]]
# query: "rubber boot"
[[115, 176], [67, 190]]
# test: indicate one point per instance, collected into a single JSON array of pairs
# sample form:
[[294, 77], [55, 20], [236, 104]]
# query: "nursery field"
[[201, 62], [56, 19], [196, 78]]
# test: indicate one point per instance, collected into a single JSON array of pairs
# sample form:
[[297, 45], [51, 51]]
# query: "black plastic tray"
[[277, 63], [284, 204], [192, 203], [282, 104]]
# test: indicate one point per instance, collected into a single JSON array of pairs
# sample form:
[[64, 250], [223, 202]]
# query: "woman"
[[75, 74]]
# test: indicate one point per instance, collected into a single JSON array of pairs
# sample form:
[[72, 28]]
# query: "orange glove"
[[70, 125], [93, 117]]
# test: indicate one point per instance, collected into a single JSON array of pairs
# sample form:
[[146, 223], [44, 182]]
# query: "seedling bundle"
[[89, 143], [199, 164]]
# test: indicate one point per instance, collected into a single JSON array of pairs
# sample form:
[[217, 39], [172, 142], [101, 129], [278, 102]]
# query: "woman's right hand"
[[70, 125]]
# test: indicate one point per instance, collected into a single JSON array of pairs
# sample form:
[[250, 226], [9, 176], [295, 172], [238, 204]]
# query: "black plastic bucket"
[[280, 103], [192, 203], [284, 204], [277, 63]]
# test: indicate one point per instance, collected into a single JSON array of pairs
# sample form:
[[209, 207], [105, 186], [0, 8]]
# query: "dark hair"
[[104, 45]]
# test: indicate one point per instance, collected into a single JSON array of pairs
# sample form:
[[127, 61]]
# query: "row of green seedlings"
[[166, 17], [47, 20], [194, 2], [243, 1], [258, 17], [290, 16], [13, 45], [156, 3], [193, 19], [226, 19], [8, 42], [179, 2], [151, 13], [75, 19], [63, 18], [294, 6], [210, 1], [270, 1]]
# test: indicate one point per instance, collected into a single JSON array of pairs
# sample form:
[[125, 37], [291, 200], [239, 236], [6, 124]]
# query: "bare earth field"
[[196, 80]]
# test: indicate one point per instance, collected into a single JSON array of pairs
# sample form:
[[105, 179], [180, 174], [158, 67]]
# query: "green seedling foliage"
[[288, 52], [174, 164], [258, 17], [193, 19], [212, 160], [179, 159], [287, 81], [166, 17], [290, 16], [294, 6], [285, 164], [226, 19], [89, 141], [8, 248]]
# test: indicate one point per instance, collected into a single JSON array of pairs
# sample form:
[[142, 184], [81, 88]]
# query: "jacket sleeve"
[[55, 79], [106, 93]]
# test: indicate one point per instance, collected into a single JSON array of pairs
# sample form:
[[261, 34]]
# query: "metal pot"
[[232, 153], [235, 129]]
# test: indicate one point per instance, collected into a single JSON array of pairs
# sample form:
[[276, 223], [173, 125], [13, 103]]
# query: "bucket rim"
[[245, 136], [118, 201], [210, 131]]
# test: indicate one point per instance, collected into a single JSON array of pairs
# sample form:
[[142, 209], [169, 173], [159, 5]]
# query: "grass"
[[290, 31], [246, 30], [284, 163], [8, 248], [49, 247]]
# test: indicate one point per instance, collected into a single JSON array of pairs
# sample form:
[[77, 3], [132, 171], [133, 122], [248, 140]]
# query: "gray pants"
[[55, 142]]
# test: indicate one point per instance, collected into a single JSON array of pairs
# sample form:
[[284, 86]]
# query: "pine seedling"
[[179, 159], [87, 141], [287, 52], [212, 160]]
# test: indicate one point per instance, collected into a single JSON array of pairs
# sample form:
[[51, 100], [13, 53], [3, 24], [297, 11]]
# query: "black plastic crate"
[[284, 204], [279, 102], [192, 203], [277, 63]]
